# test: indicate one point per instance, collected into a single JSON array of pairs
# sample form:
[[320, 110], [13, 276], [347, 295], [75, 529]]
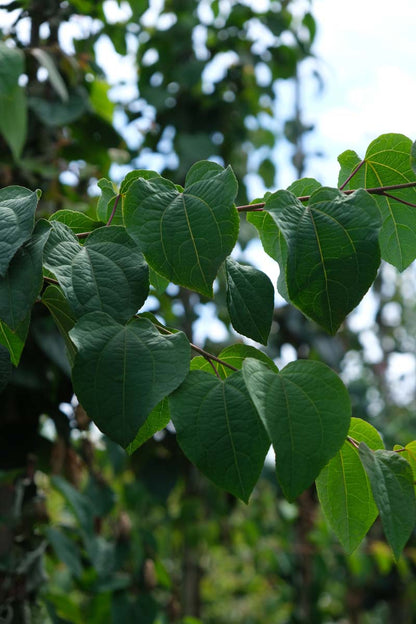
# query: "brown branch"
[[354, 443], [352, 174], [377, 190], [205, 354]]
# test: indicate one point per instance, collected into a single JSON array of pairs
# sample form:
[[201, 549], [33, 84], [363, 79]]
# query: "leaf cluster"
[[132, 374]]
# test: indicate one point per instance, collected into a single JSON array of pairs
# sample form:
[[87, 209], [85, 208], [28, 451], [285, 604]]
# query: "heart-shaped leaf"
[[387, 161], [344, 490], [391, 479], [332, 255], [306, 411], [219, 430], [185, 236], [122, 372], [17, 219], [23, 280], [250, 300], [108, 273]]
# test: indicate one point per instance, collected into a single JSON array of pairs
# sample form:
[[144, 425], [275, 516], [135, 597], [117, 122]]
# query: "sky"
[[367, 55]]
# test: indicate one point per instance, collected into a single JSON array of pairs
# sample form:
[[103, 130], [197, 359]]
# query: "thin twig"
[[352, 174], [205, 354], [402, 201], [50, 280], [355, 443], [210, 362], [377, 190], [113, 212]]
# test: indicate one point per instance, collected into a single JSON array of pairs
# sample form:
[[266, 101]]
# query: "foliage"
[[124, 364], [78, 273]]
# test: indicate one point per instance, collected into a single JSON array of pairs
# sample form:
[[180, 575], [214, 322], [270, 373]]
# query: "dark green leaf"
[[156, 421], [344, 490], [122, 372], [108, 273], [391, 480], [219, 430], [185, 236], [388, 161], [333, 254], [17, 219], [15, 340], [274, 244], [54, 299], [250, 300], [306, 411], [21, 285]]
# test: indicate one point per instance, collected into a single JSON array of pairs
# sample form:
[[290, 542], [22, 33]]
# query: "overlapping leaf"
[[274, 244], [156, 421], [234, 356], [17, 219], [108, 273], [219, 430], [332, 250], [250, 300], [121, 372], [388, 162], [22, 282], [53, 298], [391, 479], [306, 411], [14, 340], [185, 236], [344, 490], [77, 221]]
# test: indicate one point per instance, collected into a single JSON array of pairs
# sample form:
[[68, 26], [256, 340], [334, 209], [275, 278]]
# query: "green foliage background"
[[90, 533]]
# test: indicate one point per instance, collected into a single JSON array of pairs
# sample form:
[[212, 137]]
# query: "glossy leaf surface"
[[22, 282]]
